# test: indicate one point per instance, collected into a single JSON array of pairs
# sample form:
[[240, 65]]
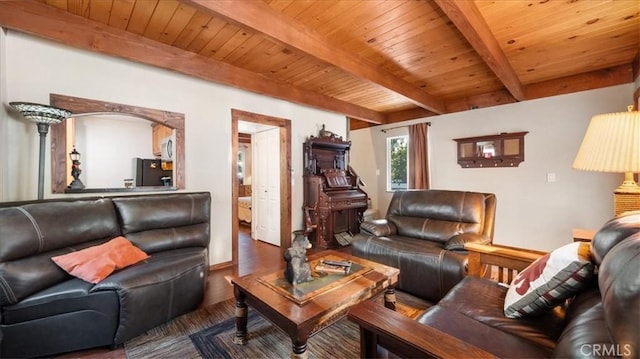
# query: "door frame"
[[284, 126]]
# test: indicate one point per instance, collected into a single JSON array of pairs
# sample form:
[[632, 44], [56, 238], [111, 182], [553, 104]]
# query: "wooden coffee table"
[[307, 308]]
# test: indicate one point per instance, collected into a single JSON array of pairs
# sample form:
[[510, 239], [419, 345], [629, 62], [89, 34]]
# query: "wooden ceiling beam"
[[582, 82], [355, 124], [467, 18], [51, 23], [261, 18], [488, 99], [410, 114]]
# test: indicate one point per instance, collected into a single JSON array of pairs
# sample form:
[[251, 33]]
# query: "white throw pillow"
[[549, 280]]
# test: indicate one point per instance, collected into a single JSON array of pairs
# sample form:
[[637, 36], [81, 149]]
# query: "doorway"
[[283, 127]]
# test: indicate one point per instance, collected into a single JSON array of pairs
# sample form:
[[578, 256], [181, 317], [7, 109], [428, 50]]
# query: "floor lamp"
[[43, 116], [612, 144]]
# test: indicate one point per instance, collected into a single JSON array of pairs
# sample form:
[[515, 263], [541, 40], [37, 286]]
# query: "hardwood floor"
[[253, 255]]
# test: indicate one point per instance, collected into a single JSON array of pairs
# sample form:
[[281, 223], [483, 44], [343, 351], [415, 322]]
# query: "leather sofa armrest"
[[404, 336], [503, 261], [378, 227], [457, 242]]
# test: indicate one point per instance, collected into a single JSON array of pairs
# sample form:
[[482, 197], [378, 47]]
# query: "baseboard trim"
[[220, 266]]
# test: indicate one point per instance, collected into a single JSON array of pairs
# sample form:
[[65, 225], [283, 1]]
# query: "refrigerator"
[[149, 172]]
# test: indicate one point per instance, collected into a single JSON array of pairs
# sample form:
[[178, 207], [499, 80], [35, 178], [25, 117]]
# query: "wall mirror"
[[113, 135]]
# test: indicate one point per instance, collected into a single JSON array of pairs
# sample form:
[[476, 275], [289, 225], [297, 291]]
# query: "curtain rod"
[[393, 128]]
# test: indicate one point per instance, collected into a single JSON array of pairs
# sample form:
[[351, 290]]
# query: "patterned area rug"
[[208, 333]]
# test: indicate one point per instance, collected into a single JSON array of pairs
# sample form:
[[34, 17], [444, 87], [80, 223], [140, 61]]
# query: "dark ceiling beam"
[[467, 18], [260, 17], [54, 24]]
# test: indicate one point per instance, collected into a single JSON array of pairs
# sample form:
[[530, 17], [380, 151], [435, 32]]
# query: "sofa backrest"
[[615, 248], [613, 232], [160, 222], [619, 282], [31, 234], [438, 215]]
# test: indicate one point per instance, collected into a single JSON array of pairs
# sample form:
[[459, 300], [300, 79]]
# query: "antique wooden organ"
[[333, 201]]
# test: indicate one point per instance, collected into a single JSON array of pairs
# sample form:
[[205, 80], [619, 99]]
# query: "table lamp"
[[612, 144], [43, 116]]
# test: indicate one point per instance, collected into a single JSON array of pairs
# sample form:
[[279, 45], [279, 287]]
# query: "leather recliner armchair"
[[423, 234]]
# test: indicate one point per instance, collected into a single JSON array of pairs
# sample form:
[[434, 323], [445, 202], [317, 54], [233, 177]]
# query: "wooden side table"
[[583, 235]]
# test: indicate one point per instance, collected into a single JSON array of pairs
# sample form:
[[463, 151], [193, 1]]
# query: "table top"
[[318, 307], [583, 235]]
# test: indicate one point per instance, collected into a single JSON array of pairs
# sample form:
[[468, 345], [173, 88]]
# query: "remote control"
[[337, 263]]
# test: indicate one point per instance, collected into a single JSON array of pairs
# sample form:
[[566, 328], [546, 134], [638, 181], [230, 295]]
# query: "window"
[[397, 163]]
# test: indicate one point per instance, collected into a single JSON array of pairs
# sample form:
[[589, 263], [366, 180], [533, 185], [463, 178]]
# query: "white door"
[[267, 183]]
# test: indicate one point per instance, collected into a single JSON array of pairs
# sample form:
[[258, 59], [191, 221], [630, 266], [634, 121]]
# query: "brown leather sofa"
[[45, 311], [423, 234], [601, 320]]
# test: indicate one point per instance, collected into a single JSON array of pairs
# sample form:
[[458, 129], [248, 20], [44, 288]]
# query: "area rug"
[[208, 333]]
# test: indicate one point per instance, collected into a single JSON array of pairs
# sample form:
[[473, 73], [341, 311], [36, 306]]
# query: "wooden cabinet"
[[501, 150], [159, 132]]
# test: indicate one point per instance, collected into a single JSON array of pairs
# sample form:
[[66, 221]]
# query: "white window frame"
[[390, 187]]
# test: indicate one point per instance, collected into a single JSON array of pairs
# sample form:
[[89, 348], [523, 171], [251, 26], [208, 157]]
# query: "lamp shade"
[[611, 144], [41, 113]]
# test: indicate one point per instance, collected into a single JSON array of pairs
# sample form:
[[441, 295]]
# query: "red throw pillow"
[[549, 280], [95, 263]]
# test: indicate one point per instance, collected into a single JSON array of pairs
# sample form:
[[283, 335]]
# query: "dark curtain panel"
[[418, 156]]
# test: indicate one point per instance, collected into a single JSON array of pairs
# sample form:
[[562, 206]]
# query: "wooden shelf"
[[501, 150]]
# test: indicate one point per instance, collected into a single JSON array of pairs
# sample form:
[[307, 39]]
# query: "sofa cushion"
[[549, 280], [66, 297], [481, 335], [482, 300], [95, 263], [426, 269], [168, 284], [585, 327]]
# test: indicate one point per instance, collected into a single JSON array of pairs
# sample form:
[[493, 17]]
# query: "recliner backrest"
[[31, 234], [438, 215], [160, 222]]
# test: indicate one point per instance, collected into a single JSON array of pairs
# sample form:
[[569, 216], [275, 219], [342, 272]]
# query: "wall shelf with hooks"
[[501, 150]]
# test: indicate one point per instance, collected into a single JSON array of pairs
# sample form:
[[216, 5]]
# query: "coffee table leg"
[[241, 318], [390, 298], [299, 349]]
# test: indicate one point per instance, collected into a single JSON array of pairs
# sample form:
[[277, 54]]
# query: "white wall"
[[531, 212], [35, 68], [108, 145]]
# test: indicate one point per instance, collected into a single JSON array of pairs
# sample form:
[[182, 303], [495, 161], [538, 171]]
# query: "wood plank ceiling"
[[374, 61]]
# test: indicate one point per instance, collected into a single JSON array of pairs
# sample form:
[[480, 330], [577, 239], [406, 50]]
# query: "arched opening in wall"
[[61, 143]]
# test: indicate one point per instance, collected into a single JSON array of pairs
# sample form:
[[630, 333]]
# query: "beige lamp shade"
[[612, 144]]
